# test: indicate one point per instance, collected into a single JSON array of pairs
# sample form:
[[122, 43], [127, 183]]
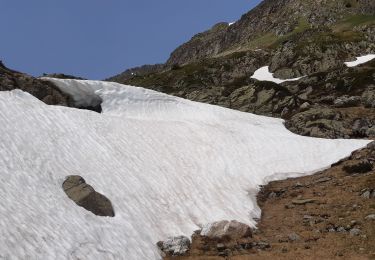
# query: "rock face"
[[85, 196], [226, 230], [44, 91], [175, 246]]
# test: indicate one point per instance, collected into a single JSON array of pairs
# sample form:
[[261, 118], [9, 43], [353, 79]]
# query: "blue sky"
[[100, 38]]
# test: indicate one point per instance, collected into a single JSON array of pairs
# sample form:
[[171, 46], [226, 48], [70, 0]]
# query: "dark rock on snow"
[[85, 196]]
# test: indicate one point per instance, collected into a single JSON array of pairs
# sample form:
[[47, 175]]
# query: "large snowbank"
[[168, 165]]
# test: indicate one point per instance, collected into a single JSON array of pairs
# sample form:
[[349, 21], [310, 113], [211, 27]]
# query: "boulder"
[[362, 166], [85, 196], [347, 101], [226, 229]]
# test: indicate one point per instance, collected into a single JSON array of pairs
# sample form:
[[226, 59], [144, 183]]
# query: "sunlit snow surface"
[[167, 164], [360, 60], [263, 74]]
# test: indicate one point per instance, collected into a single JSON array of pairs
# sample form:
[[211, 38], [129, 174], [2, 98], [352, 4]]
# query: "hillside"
[[268, 21], [316, 51]]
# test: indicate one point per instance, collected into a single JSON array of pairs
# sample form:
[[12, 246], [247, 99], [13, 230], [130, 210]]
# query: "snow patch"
[[263, 74], [360, 60], [168, 165]]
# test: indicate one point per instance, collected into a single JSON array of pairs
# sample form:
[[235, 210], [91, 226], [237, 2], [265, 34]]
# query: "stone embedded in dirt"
[[294, 237], [175, 246], [272, 195], [303, 201], [324, 179], [370, 217], [362, 166], [355, 232], [225, 253], [298, 185], [366, 194], [226, 229], [220, 246], [85, 196]]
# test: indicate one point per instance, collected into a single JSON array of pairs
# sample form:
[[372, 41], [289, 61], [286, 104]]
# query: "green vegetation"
[[263, 41], [349, 22]]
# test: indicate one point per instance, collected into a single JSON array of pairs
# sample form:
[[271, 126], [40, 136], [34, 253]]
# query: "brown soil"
[[335, 203]]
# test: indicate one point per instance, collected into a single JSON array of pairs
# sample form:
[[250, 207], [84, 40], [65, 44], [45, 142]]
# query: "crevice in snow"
[[263, 74], [360, 60]]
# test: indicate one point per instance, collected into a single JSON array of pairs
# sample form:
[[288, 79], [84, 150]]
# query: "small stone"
[[366, 194], [284, 250], [324, 179], [341, 229], [220, 246], [225, 253], [370, 217], [355, 232], [272, 195], [305, 106], [263, 245], [302, 201], [294, 237]]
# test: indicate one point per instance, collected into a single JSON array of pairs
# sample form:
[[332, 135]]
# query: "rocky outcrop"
[[43, 90], [85, 196], [62, 76]]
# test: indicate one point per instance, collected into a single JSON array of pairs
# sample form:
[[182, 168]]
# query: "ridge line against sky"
[[96, 39]]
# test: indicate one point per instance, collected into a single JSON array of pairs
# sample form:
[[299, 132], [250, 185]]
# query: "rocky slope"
[[330, 101], [313, 220], [294, 38]]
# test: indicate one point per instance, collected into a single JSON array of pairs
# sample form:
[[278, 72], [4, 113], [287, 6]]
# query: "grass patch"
[[350, 22]]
